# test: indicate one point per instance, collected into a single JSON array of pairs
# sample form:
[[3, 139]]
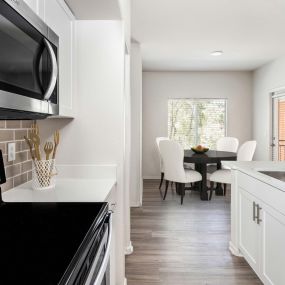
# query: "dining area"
[[199, 168]]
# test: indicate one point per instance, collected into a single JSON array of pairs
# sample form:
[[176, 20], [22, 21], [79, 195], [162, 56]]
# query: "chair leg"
[[211, 190], [182, 192], [225, 189], [177, 188], [166, 188], [161, 179]]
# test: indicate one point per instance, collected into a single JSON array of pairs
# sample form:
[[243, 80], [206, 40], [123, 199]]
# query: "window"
[[197, 121]]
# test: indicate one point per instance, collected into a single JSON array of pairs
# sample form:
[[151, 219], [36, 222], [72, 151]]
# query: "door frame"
[[275, 93]]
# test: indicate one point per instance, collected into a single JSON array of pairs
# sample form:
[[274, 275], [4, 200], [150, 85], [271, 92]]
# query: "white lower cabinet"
[[272, 246], [262, 231], [249, 231]]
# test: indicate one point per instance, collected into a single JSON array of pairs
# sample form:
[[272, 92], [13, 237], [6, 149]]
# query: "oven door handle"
[[54, 72], [102, 270]]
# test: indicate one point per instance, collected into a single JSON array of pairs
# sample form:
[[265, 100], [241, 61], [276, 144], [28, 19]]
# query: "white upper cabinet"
[[34, 4], [59, 18]]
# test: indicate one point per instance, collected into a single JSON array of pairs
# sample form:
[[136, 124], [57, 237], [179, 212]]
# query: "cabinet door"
[[249, 231], [273, 248], [57, 15], [33, 5]]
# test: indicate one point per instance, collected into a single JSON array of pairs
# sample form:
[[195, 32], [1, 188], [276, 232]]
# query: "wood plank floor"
[[181, 245]]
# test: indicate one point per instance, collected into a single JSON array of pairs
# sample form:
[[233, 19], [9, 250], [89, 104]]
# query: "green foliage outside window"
[[197, 121]]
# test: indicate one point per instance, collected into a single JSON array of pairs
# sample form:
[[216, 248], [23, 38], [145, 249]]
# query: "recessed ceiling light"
[[217, 53]]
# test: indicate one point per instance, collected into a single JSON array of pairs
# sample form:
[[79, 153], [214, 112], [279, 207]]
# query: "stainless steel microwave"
[[28, 64]]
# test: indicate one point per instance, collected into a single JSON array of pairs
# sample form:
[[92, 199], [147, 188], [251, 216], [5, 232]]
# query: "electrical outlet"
[[11, 151]]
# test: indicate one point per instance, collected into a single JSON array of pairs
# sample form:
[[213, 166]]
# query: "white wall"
[[160, 86], [266, 79], [125, 7], [136, 125], [96, 135]]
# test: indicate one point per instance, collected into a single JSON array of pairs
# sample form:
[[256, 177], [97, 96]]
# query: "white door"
[[249, 239], [273, 249], [278, 127]]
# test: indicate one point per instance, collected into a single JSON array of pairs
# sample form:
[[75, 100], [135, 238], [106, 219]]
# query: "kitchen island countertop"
[[252, 168]]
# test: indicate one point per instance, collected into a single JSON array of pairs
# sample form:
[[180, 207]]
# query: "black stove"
[[48, 243], [39, 241]]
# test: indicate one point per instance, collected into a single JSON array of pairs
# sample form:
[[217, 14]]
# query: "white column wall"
[[136, 126], [96, 135]]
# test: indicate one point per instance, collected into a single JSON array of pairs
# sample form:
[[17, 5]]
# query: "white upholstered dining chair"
[[158, 140], [224, 144], [223, 176], [228, 144], [172, 154]]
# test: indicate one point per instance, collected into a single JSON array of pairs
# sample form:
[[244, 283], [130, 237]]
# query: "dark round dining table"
[[201, 161]]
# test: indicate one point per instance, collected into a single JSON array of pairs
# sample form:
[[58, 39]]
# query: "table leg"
[[219, 190], [202, 169]]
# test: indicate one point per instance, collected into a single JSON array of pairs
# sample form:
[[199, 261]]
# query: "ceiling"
[[95, 9], [181, 34]]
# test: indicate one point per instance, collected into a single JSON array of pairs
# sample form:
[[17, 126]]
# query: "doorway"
[[278, 126]]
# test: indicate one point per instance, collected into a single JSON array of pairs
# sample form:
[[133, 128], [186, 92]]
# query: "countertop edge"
[[252, 168]]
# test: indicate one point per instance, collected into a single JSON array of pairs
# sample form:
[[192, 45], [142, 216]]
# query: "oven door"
[[99, 273], [28, 64]]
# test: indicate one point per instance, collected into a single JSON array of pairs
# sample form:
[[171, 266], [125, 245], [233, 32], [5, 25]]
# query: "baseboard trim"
[[129, 249], [234, 250], [151, 177], [138, 205]]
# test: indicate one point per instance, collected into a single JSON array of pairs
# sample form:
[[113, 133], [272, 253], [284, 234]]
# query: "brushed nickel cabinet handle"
[[258, 214], [254, 213]]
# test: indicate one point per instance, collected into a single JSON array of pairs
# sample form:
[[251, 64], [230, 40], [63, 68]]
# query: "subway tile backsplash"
[[18, 171]]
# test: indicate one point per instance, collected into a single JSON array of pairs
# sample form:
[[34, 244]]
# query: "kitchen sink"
[[280, 175]]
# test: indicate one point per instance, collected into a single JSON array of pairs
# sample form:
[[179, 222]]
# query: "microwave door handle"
[[54, 72], [102, 270]]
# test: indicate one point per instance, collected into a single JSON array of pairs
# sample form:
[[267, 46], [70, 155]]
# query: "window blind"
[[197, 121]]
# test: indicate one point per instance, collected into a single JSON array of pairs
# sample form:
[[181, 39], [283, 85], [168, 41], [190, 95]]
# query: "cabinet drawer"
[[264, 192]]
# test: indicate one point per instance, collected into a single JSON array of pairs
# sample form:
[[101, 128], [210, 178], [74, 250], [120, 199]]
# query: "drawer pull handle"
[[254, 213], [258, 214]]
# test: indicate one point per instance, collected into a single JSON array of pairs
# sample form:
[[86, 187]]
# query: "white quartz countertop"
[[66, 190], [77, 183], [252, 168]]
